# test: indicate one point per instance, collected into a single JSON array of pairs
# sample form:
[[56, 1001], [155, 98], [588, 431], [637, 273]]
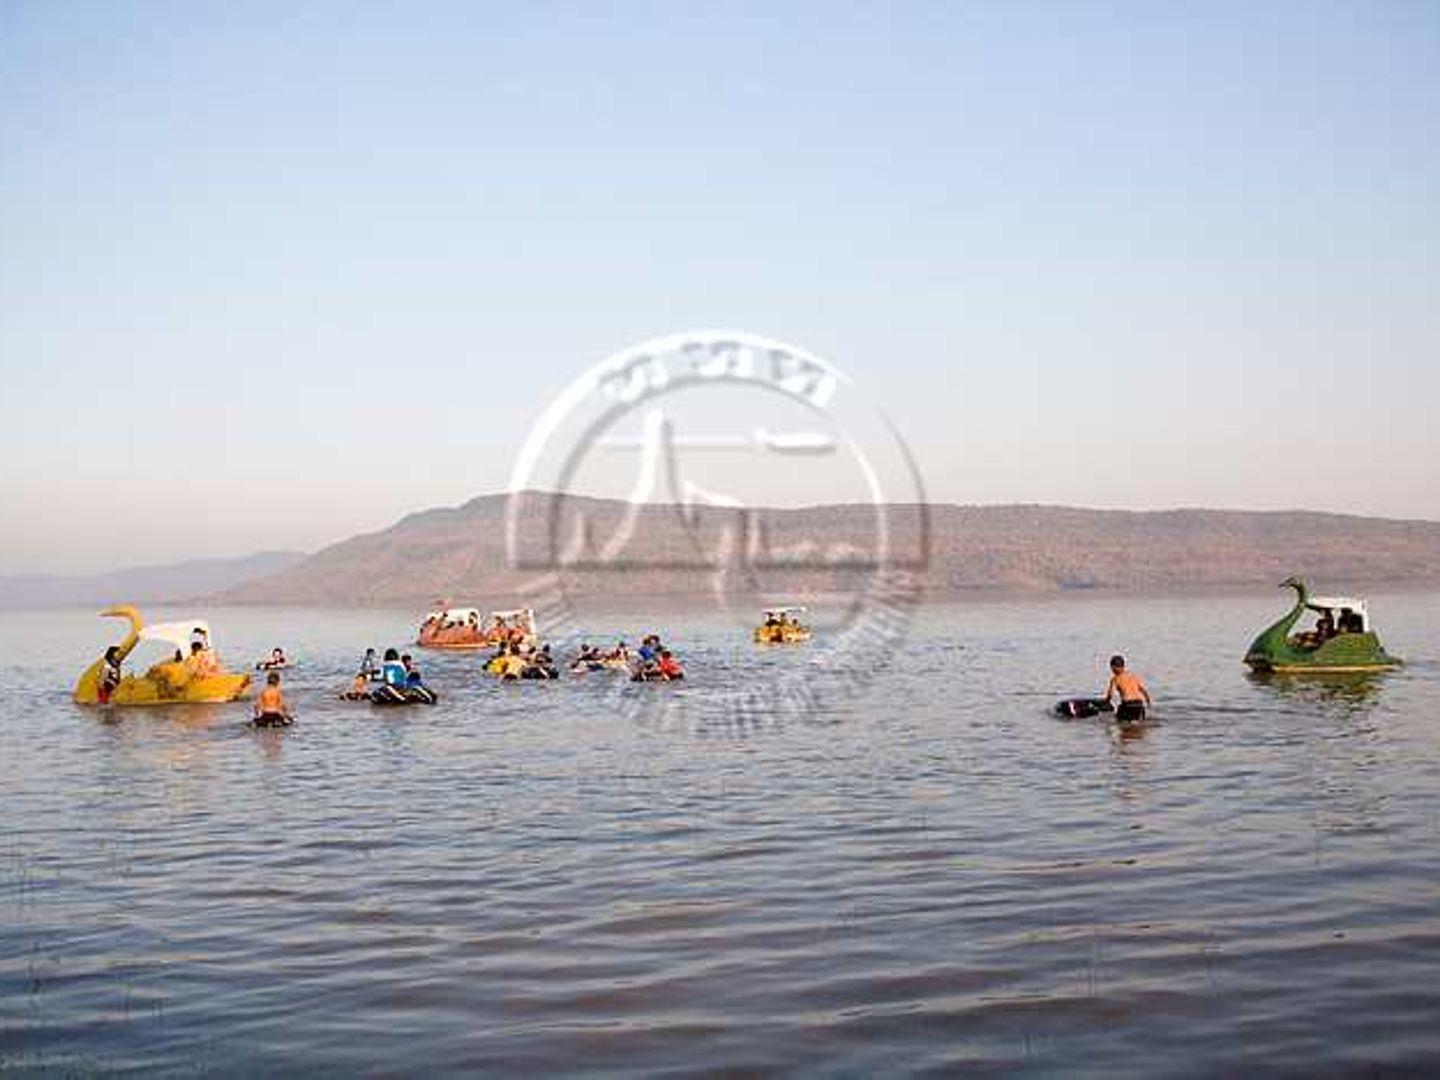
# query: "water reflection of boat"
[[171, 681], [1342, 641], [1346, 688]]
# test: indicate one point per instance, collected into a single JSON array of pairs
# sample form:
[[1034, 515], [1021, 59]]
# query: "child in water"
[[270, 709], [359, 688], [1134, 696]]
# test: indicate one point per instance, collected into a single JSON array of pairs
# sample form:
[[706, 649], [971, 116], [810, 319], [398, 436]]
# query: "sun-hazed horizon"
[[275, 278]]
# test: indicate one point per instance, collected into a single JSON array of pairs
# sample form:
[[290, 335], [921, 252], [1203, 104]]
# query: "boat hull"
[[1266, 667], [456, 639], [767, 636], [136, 691], [1343, 653]]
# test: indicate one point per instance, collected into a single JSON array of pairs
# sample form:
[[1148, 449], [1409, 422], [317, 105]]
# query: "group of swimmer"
[[396, 679], [651, 662], [521, 660]]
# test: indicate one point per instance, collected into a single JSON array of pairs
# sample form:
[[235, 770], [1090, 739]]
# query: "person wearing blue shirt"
[[392, 672]]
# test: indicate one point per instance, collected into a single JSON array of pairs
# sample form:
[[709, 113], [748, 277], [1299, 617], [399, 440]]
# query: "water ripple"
[[939, 876]]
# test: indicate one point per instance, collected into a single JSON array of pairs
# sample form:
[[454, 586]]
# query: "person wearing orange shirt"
[[201, 663], [1134, 696], [669, 667]]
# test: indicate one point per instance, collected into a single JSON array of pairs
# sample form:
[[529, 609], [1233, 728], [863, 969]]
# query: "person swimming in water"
[[276, 660], [393, 678], [1134, 696], [540, 665], [669, 667], [512, 664], [415, 688], [359, 688], [270, 708]]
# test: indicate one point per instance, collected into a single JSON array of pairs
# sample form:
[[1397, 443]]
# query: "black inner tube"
[[1081, 708]]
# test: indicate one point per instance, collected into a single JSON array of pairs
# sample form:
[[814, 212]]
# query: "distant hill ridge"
[[142, 584], [460, 553]]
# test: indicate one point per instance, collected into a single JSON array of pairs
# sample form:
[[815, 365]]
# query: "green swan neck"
[[1276, 637]]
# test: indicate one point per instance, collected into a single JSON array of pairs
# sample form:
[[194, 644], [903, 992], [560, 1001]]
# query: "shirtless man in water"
[[271, 709], [1134, 696]]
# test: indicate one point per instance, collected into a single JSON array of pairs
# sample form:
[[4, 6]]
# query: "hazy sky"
[[269, 277]]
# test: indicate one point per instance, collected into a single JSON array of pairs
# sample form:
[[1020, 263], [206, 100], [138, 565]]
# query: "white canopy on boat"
[[524, 618], [785, 611], [455, 614], [176, 633], [1336, 604]]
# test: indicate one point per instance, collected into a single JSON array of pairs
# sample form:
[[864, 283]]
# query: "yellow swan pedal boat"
[[170, 682], [782, 626]]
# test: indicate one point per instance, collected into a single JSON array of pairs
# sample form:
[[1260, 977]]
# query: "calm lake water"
[[933, 876]]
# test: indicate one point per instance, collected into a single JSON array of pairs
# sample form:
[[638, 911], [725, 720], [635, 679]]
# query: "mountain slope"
[[460, 552]]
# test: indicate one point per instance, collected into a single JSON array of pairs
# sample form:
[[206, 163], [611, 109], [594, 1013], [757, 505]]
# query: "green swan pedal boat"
[[1342, 641]]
